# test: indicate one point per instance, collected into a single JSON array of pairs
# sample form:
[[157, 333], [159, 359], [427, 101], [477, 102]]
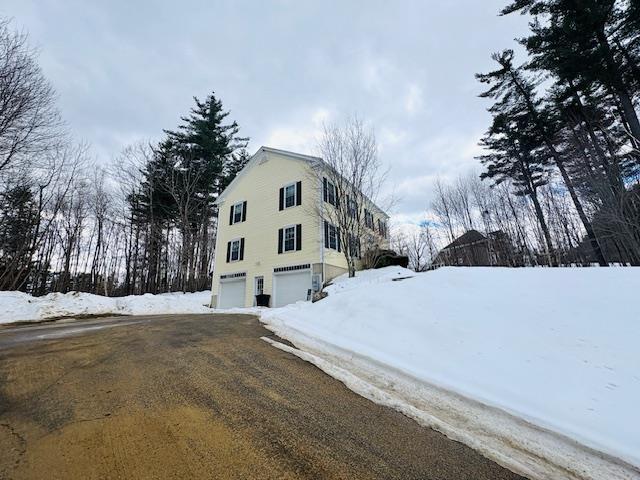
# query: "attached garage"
[[290, 286], [232, 292]]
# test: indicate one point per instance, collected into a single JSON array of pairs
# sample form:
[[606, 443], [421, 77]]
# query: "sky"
[[124, 70]]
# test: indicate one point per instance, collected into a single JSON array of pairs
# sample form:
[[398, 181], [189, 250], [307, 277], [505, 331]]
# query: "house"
[[272, 236], [475, 249]]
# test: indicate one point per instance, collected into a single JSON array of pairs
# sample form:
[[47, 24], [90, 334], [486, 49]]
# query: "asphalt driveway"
[[198, 396]]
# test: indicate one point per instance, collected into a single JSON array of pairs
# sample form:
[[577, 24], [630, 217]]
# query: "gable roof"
[[466, 238], [255, 158], [258, 156]]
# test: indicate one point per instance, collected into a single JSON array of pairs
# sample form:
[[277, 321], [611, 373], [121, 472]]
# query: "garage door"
[[231, 293], [290, 287]]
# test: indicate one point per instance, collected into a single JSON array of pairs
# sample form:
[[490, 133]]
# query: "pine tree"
[[515, 97], [515, 154], [18, 219]]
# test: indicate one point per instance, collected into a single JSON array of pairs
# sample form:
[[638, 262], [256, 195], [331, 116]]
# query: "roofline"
[[298, 156]]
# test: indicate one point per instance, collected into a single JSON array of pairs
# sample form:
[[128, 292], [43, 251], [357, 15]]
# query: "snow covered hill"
[[556, 347]]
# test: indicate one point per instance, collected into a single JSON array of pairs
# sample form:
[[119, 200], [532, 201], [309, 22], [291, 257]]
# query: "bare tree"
[[350, 178], [29, 120]]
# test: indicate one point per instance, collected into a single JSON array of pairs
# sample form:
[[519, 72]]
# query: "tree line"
[[146, 223], [563, 148]]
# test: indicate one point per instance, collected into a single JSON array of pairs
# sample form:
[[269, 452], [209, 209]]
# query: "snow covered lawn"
[[18, 306], [559, 348]]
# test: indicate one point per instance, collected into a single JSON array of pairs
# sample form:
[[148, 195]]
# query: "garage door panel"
[[291, 287], [232, 293]]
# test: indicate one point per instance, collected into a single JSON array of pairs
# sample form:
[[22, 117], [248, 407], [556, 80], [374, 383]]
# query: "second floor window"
[[354, 246], [290, 238], [235, 250], [331, 236]]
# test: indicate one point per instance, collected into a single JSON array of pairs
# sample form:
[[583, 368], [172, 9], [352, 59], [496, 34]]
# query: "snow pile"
[[556, 347], [18, 306]]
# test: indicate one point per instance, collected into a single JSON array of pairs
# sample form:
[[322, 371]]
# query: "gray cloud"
[[125, 70]]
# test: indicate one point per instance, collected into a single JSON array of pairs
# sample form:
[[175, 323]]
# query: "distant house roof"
[[471, 236]]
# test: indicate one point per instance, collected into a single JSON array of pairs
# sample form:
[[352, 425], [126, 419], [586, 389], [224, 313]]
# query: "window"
[[352, 207], [354, 246], [331, 236], [238, 213], [382, 228], [290, 195], [368, 219], [235, 250], [329, 192], [290, 238]]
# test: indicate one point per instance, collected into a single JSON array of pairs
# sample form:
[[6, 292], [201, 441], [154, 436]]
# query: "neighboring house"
[[475, 249], [272, 238]]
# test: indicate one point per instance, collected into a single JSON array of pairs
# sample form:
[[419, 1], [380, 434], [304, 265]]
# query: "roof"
[[469, 237], [256, 157]]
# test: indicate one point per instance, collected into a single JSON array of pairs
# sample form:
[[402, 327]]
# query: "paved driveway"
[[197, 396]]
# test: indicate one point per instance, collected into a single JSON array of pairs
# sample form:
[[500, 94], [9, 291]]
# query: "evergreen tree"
[[18, 220], [515, 97], [515, 153]]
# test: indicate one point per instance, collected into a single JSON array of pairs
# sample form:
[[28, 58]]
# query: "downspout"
[[215, 257], [321, 229]]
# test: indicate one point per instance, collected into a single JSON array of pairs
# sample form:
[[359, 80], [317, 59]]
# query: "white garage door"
[[290, 287], [231, 293]]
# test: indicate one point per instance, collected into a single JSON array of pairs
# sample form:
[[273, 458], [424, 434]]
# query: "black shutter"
[[244, 210], [228, 251], [280, 235], [241, 249], [338, 237], [299, 193], [231, 215], [326, 234], [299, 236], [337, 204], [281, 199], [324, 189]]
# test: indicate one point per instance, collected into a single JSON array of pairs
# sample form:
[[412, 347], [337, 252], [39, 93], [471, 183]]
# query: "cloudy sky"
[[125, 70]]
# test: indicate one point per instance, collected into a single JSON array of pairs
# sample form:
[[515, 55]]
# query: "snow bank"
[[556, 347], [18, 306]]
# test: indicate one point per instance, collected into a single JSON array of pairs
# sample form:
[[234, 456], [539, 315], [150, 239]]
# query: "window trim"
[[352, 207], [329, 185], [295, 195], [231, 242], [335, 236], [241, 204], [284, 238]]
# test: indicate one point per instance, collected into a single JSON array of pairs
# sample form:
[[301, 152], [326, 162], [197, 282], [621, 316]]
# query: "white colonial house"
[[272, 238]]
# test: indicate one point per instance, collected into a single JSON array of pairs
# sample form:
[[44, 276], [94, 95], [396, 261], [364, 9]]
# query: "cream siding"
[[260, 188], [259, 185]]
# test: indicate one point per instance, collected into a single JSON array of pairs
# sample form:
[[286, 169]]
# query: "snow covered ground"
[[526, 365], [18, 306], [556, 347]]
